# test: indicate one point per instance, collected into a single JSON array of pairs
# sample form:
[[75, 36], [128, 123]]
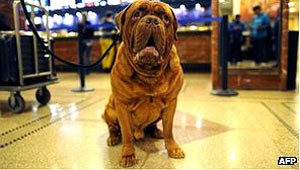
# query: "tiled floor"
[[248, 131]]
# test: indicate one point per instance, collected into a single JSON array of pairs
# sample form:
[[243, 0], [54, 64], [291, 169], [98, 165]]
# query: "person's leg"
[[83, 57], [237, 51], [231, 53], [88, 54], [265, 49], [87, 57], [256, 50], [262, 51]]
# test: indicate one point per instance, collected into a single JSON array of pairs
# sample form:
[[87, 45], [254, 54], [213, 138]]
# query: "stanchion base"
[[83, 89], [221, 92]]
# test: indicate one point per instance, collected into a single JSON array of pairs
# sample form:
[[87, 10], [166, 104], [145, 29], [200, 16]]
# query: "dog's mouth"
[[150, 42], [148, 58]]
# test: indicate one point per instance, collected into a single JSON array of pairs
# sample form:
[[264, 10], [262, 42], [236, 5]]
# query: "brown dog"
[[146, 79]]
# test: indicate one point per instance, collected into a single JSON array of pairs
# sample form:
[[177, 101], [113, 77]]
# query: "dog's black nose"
[[151, 20]]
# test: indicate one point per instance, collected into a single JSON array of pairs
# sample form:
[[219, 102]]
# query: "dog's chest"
[[146, 110]]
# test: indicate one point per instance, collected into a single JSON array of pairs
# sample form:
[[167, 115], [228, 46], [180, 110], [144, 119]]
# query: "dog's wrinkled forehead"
[[145, 4], [125, 14]]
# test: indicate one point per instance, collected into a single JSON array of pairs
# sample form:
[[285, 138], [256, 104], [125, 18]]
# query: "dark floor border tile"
[[27, 134], [288, 107], [28, 123], [287, 126]]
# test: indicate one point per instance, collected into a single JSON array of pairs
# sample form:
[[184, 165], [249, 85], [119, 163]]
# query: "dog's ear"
[[175, 24], [120, 19]]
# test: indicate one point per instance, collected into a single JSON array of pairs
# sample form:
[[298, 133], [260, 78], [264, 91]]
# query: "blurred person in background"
[[107, 26], [259, 35], [235, 29], [86, 32]]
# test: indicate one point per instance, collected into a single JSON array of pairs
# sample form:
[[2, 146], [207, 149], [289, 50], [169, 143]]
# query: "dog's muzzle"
[[149, 43], [148, 59]]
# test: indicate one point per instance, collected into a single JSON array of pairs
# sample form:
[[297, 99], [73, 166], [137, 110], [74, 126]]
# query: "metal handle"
[[16, 15]]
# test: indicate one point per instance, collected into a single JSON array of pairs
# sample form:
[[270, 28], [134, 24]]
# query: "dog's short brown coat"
[[141, 97]]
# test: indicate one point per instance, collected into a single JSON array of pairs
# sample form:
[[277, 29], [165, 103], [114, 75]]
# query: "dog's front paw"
[[176, 153], [128, 160], [113, 140]]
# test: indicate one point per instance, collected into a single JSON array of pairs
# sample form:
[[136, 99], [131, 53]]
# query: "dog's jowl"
[[146, 79]]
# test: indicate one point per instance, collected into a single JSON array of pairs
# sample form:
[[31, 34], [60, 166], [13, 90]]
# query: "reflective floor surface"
[[251, 130]]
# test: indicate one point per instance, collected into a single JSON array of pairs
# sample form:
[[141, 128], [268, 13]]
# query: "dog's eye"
[[166, 18], [137, 14]]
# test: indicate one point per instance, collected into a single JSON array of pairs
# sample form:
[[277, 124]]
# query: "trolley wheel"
[[16, 103], [43, 95]]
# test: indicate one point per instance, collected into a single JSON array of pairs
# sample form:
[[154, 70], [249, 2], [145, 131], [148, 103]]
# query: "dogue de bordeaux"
[[146, 79]]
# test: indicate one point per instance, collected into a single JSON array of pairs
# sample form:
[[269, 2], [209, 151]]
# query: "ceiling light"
[[292, 10], [291, 4]]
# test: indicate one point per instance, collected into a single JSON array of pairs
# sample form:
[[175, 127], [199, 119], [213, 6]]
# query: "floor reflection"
[[214, 132]]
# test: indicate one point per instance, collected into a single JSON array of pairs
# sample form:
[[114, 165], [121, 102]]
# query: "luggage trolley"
[[24, 64]]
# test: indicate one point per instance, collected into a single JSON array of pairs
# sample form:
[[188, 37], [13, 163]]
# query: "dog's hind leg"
[[154, 132]]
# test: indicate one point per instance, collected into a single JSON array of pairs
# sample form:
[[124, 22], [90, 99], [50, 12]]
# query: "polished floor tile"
[[248, 131]]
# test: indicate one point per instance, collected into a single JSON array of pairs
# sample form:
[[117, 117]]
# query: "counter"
[[193, 47]]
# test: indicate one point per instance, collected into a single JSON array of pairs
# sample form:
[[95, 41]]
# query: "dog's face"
[[148, 30]]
